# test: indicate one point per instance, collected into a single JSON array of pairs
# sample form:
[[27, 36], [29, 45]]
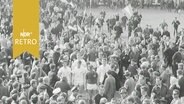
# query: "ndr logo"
[[25, 34]]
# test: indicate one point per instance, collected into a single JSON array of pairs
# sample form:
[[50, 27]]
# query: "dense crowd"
[[114, 4], [84, 60]]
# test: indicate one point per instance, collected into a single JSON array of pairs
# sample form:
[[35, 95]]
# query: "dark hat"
[[127, 73]]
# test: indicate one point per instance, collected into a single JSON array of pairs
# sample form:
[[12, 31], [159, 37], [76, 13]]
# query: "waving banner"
[[26, 27]]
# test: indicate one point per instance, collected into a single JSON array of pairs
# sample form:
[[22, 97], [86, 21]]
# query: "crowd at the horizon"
[[85, 60]]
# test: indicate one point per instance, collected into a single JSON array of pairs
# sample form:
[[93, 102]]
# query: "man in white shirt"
[[102, 70], [65, 71]]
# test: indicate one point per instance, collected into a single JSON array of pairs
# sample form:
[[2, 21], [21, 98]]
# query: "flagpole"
[[90, 5]]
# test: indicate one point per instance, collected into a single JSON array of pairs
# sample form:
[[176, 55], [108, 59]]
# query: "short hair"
[[46, 79], [131, 99], [177, 91], [82, 102], [145, 88], [34, 99], [180, 72], [109, 72], [33, 81], [103, 100], [52, 66], [23, 102], [147, 101], [40, 80], [15, 84]]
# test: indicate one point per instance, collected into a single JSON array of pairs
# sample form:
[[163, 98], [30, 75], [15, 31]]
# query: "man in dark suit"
[[3, 89], [181, 82], [110, 86], [178, 57], [175, 23], [160, 89]]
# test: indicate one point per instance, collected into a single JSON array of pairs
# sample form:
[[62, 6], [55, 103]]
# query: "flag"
[[129, 10]]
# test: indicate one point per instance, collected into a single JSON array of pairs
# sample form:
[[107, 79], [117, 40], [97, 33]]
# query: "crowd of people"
[[115, 4], [85, 60]]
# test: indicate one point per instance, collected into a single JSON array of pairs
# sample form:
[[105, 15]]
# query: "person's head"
[[90, 68], [64, 79], [144, 90], [109, 73], [133, 62], [130, 100], [104, 61], [3, 65], [82, 102], [40, 80], [61, 99], [158, 81], [163, 101], [65, 63], [103, 100], [142, 79], [127, 74], [180, 66], [175, 18], [8, 100], [175, 94], [181, 48], [113, 101], [123, 92], [101, 89], [179, 72], [52, 67], [16, 85], [34, 99], [146, 101], [114, 67], [171, 45], [126, 51], [14, 97], [46, 80], [23, 102], [152, 58], [3, 98], [79, 55], [33, 83]]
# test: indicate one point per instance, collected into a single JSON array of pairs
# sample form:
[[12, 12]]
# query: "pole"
[[90, 5]]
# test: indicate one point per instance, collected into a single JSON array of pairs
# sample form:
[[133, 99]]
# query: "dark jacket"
[[181, 84], [110, 87], [3, 91]]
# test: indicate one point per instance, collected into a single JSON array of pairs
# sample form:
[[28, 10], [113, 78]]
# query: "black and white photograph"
[[97, 52]]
